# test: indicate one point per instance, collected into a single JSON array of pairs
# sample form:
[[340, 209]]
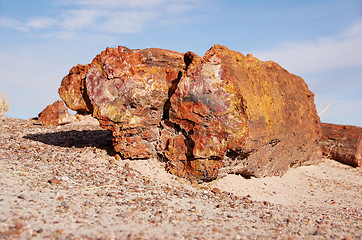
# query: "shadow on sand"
[[101, 139]]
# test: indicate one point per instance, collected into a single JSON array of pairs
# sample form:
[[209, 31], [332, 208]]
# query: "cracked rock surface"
[[203, 116]]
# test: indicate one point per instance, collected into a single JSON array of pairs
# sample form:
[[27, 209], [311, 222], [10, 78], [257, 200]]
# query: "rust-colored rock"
[[342, 143], [54, 114], [222, 113], [254, 117], [128, 90], [73, 91]]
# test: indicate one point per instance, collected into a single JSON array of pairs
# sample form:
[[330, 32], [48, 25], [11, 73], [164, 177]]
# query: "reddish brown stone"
[[224, 112], [54, 180], [342, 143], [54, 114], [73, 91], [250, 117], [128, 90]]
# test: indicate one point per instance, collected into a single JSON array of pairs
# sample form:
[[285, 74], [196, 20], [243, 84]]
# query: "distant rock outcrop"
[[342, 143], [222, 113], [54, 114]]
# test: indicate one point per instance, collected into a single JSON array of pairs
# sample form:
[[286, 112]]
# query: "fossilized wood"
[[221, 113], [342, 143]]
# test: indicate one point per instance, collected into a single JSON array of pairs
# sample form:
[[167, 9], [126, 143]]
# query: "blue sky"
[[319, 40]]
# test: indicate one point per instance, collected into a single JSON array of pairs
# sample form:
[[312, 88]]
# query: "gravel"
[[65, 183]]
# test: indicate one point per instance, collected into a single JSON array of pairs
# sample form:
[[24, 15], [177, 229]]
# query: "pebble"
[[117, 156], [54, 181], [216, 191], [22, 196]]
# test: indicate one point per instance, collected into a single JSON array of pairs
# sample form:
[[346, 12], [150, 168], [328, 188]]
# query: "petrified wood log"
[[342, 143], [222, 113]]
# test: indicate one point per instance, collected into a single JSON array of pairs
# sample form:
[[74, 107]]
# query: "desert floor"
[[64, 183]]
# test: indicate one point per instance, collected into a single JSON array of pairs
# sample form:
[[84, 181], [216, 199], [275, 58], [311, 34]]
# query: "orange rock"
[[54, 114], [73, 91], [248, 116], [222, 113], [128, 90]]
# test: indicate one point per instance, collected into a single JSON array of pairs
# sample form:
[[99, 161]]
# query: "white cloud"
[[177, 7], [13, 24], [90, 17], [127, 22], [340, 51], [356, 29], [35, 23], [40, 22], [119, 3], [75, 19]]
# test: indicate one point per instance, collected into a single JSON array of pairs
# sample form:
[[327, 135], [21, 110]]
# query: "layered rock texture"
[[342, 143], [222, 113]]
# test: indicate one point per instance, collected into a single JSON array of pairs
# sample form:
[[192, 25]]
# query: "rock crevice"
[[182, 139]]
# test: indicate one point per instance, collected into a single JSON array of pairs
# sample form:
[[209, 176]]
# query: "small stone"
[[216, 230], [112, 161], [126, 166], [54, 181], [177, 193], [19, 226], [101, 193], [216, 191], [60, 198], [22, 196], [117, 156], [129, 176], [64, 204], [193, 209], [290, 220], [194, 183]]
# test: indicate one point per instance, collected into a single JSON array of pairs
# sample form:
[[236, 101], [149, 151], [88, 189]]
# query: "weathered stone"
[[128, 90], [73, 90], [342, 143], [54, 114], [252, 116], [222, 113]]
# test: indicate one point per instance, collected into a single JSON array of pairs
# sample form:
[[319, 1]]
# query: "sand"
[[64, 183]]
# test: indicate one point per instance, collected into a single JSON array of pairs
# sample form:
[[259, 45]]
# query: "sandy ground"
[[64, 183], [313, 186]]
